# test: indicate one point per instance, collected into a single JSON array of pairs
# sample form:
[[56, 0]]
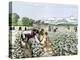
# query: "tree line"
[[25, 21]]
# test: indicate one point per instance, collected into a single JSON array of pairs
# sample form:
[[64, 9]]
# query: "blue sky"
[[43, 10]]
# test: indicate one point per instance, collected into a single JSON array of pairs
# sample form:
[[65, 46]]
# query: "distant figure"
[[75, 28], [41, 35], [20, 28], [11, 28], [44, 40], [25, 28], [49, 28], [55, 29]]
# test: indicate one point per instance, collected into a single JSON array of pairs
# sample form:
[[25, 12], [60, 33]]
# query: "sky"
[[43, 11]]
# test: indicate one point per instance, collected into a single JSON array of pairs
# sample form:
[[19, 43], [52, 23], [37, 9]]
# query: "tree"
[[38, 22], [13, 19], [32, 21], [26, 21], [42, 22]]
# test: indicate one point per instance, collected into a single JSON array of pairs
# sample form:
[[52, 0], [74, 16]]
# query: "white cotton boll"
[[12, 50], [45, 49], [64, 38], [33, 46], [23, 43], [49, 48], [50, 52]]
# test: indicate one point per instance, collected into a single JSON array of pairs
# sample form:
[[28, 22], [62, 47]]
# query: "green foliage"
[[13, 19], [27, 22], [42, 22], [38, 21], [20, 23]]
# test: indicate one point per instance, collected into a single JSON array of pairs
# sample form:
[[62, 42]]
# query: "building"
[[60, 20]]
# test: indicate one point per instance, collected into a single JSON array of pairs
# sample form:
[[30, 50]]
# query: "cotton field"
[[64, 41]]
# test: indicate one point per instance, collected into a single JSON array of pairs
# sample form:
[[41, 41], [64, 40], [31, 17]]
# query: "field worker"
[[44, 40], [41, 35]]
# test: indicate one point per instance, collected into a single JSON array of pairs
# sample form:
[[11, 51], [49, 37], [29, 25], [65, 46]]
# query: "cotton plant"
[[64, 43], [17, 51]]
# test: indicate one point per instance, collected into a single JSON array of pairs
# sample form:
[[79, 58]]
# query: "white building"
[[60, 20], [53, 20]]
